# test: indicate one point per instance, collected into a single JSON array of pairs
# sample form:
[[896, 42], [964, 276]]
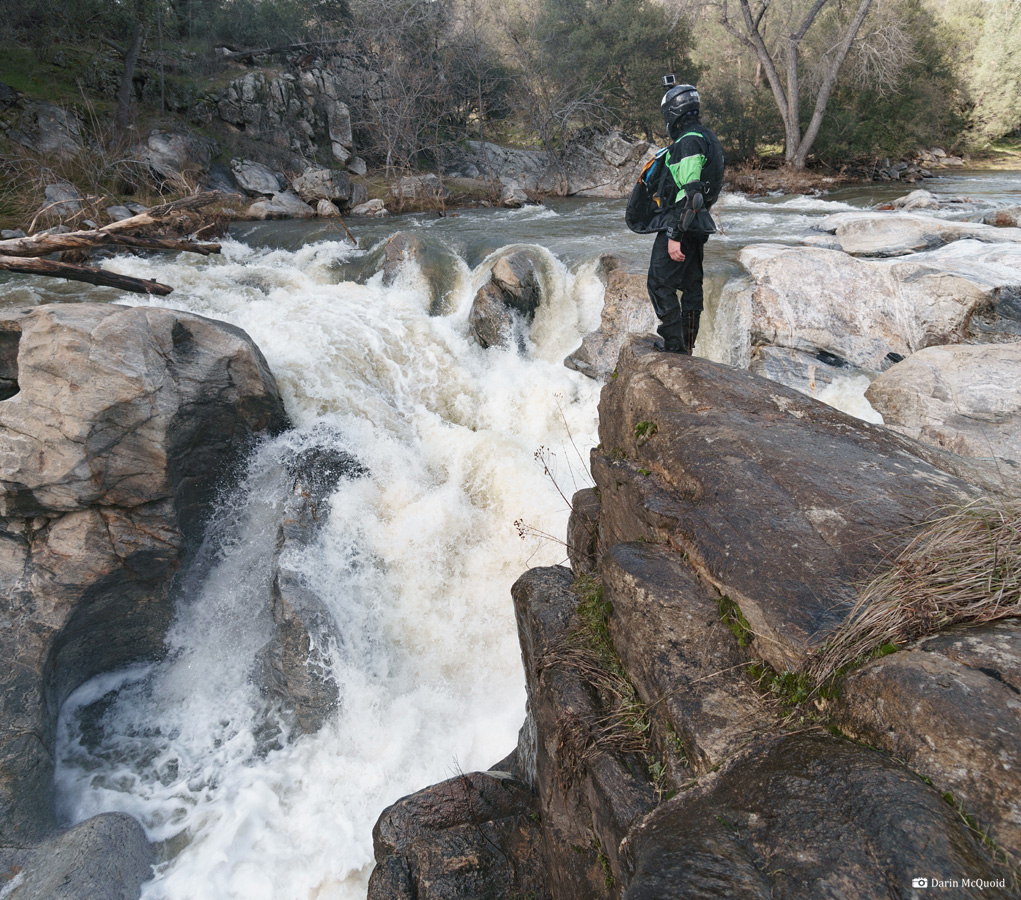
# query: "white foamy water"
[[415, 564]]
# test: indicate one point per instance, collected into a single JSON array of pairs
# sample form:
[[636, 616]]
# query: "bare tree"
[[748, 23], [554, 104], [405, 105], [477, 59], [124, 91]]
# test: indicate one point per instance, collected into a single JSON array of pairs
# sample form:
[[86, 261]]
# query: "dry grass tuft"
[[964, 568], [622, 726]]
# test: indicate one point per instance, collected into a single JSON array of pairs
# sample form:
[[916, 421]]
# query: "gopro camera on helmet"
[[669, 81]]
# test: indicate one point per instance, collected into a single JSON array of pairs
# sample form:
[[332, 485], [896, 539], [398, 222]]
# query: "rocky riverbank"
[[675, 745], [281, 142]]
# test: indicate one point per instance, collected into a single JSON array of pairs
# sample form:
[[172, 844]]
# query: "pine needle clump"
[[963, 568]]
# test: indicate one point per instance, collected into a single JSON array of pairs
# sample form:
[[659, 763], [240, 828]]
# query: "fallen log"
[[43, 245], [21, 254], [72, 272], [159, 214]]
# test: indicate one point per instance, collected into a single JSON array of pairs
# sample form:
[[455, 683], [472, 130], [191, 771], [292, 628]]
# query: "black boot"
[[689, 329], [673, 336]]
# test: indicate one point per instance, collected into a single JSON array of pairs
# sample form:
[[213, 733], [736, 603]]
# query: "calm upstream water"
[[417, 558]]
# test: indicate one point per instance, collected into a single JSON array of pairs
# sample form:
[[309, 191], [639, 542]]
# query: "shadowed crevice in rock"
[[10, 337]]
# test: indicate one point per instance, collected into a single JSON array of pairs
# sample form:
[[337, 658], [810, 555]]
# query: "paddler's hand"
[[674, 249]]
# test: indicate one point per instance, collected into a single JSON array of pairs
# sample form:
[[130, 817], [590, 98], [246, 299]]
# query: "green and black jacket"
[[661, 200], [695, 165]]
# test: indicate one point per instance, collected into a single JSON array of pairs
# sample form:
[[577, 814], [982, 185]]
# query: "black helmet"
[[678, 102]]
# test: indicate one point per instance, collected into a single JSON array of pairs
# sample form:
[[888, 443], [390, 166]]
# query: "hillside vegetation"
[[803, 83]]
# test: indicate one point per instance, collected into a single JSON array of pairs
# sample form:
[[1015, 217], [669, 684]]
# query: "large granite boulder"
[[49, 130], [283, 205], [948, 708], [106, 856], [626, 310], [1005, 217], [923, 199], [475, 835], [118, 429], [314, 185], [419, 189], [871, 313], [62, 202], [807, 816], [897, 234], [177, 157], [256, 179], [965, 398], [786, 542]]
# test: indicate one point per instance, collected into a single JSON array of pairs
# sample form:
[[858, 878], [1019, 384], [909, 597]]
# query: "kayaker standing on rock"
[[673, 198]]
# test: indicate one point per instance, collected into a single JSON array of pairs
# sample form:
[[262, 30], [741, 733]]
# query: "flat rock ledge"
[[730, 527]]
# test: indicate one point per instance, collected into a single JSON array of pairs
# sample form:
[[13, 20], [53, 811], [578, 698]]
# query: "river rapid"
[[417, 557]]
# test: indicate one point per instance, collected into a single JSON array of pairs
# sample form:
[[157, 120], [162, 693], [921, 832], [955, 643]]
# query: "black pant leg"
[[691, 274], [663, 281], [689, 329]]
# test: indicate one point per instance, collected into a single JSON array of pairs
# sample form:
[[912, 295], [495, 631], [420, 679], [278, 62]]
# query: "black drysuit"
[[694, 166]]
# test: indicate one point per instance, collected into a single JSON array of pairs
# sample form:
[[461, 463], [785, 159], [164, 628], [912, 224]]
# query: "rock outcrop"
[[512, 294], [965, 398], [597, 165], [626, 310], [472, 836], [118, 428], [293, 670], [730, 528], [106, 856], [49, 130], [898, 234], [294, 113], [874, 312], [177, 158]]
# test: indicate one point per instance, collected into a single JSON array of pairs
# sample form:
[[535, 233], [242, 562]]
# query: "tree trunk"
[[829, 81], [127, 78]]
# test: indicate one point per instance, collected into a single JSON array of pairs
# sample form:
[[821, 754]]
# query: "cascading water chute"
[[412, 562]]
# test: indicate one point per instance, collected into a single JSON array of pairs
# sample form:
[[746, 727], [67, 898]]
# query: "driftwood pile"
[[26, 254]]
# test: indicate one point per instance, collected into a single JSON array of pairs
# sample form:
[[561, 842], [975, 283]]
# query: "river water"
[[416, 560]]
